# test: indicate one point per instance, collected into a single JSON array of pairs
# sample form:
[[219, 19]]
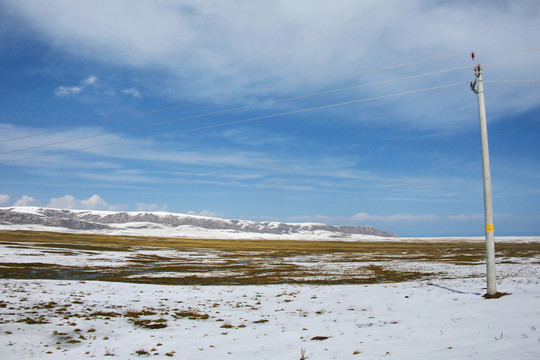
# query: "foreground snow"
[[446, 320]]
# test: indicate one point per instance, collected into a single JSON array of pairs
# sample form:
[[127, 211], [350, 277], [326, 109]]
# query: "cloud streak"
[[364, 218], [238, 168]]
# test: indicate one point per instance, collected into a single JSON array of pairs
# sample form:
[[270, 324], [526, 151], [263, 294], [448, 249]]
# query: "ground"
[[247, 300]]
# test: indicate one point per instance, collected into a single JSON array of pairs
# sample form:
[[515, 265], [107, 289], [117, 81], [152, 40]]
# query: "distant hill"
[[174, 225]]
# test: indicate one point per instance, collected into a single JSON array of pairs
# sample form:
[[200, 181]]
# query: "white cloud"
[[323, 219], [207, 47], [206, 213], [66, 202], [366, 218], [64, 91], [91, 80], [151, 207], [4, 199], [396, 217], [414, 217], [463, 217], [133, 92], [95, 202], [26, 201]]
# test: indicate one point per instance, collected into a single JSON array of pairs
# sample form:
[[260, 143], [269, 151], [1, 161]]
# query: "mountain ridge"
[[179, 225]]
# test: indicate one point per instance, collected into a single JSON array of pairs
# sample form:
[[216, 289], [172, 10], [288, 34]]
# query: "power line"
[[265, 89], [232, 109], [269, 102], [95, 123], [506, 51], [241, 94], [506, 81], [238, 121], [512, 64]]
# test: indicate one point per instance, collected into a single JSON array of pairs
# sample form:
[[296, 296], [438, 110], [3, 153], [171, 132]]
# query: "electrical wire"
[[240, 94], [512, 64], [506, 51], [263, 90], [268, 102], [507, 81], [232, 109], [238, 122]]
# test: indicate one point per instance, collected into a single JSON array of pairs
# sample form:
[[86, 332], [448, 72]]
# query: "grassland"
[[177, 261]]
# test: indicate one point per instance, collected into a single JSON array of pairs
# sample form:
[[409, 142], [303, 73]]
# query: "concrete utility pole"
[[478, 88]]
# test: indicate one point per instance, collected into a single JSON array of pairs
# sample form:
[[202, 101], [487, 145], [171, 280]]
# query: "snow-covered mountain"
[[174, 225]]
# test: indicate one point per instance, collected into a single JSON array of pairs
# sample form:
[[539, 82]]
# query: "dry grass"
[[192, 315]]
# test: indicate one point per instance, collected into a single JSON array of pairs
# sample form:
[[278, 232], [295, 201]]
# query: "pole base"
[[496, 295]]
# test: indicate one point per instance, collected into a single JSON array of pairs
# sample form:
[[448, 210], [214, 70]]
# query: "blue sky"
[[103, 105]]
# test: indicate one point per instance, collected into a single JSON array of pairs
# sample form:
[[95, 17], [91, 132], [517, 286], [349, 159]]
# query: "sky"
[[340, 112]]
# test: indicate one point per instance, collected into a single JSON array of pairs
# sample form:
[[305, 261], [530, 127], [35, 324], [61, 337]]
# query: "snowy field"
[[70, 319], [438, 315]]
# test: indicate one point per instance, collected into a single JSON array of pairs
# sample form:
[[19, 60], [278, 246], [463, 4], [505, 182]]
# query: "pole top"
[[477, 74], [477, 70]]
